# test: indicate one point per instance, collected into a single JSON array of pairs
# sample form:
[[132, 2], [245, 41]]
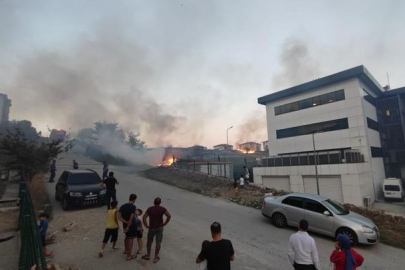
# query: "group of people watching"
[[303, 254], [132, 224]]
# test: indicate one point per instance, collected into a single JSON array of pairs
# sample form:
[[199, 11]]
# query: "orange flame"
[[245, 151]]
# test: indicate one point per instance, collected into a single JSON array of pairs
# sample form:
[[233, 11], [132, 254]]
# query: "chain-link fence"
[[31, 251], [228, 166]]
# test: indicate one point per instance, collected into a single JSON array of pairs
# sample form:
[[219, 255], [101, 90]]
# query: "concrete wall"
[[356, 178]]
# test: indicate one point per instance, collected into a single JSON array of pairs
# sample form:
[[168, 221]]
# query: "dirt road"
[[258, 244]]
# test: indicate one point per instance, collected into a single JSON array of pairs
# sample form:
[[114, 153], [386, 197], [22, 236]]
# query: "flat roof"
[[360, 72], [395, 91]]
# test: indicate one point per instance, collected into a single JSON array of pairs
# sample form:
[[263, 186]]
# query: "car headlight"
[[367, 229], [102, 192], [75, 194]]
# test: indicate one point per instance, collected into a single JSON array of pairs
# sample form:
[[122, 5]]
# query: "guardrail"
[[31, 251]]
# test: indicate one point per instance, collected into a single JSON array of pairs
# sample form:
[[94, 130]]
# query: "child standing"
[[111, 230], [43, 228], [241, 182], [139, 229]]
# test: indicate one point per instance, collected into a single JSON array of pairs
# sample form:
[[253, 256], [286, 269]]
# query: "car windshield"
[[84, 179], [392, 188], [335, 207]]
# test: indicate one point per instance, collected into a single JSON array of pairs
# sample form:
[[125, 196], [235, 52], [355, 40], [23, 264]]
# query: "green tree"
[[29, 154], [134, 142], [109, 129]]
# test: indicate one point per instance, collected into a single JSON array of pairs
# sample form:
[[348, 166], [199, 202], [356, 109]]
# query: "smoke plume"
[[108, 77], [253, 129], [297, 65], [116, 147]]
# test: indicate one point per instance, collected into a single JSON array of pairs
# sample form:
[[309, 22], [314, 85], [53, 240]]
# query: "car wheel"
[[279, 220], [65, 205], [349, 233]]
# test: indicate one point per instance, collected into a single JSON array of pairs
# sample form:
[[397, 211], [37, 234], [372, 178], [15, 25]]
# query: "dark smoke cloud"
[[297, 65]]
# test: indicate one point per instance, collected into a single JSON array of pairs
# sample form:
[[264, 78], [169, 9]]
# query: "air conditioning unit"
[[367, 202]]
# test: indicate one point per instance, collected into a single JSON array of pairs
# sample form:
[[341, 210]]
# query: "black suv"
[[79, 188]]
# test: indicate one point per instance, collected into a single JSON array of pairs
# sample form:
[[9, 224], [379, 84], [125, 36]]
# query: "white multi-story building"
[[332, 119]]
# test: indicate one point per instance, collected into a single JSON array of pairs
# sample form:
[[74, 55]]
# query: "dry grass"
[[39, 196], [392, 228], [9, 220]]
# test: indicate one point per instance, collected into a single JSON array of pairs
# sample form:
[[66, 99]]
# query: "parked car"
[[324, 216], [79, 188], [393, 189]]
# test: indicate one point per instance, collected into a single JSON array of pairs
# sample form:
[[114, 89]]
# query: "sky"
[[182, 72]]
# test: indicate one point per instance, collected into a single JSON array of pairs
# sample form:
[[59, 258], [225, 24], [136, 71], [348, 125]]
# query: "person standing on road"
[[241, 182], [219, 253], [155, 226], [126, 215], [52, 171], [111, 230], [111, 192], [75, 165], [246, 174], [344, 257], [302, 250], [105, 169]]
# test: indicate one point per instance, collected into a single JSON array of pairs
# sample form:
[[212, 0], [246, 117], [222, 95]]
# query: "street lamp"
[[227, 143], [316, 162]]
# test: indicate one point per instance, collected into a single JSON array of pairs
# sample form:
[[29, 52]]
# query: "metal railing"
[[31, 251]]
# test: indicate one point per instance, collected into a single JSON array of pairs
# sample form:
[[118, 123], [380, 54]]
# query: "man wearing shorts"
[[155, 226], [126, 215]]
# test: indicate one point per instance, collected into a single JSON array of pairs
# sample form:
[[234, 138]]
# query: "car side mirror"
[[327, 213]]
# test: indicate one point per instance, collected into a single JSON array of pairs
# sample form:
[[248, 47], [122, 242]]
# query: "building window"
[[313, 128], [310, 102], [371, 124], [376, 152], [304, 160]]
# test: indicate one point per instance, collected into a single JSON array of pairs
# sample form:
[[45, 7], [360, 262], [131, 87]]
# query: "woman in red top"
[[344, 257]]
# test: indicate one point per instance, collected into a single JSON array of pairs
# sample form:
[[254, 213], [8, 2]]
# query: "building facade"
[[223, 147], [342, 130], [5, 105]]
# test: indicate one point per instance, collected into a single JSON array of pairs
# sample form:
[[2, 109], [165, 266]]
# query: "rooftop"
[[360, 72]]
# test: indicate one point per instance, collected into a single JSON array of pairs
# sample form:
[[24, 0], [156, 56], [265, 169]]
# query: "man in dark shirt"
[[155, 226], [75, 165], [126, 215], [111, 192], [52, 170], [219, 253]]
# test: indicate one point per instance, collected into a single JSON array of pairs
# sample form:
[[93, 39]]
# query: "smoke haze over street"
[[181, 72]]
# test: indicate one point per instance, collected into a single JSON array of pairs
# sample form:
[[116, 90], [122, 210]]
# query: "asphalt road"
[[257, 243]]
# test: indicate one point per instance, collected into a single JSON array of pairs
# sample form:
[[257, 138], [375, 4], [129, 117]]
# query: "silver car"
[[323, 215]]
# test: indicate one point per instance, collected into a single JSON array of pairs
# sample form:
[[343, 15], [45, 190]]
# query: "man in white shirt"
[[302, 250]]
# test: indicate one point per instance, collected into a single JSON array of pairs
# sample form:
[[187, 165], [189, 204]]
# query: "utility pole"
[[227, 142], [316, 163]]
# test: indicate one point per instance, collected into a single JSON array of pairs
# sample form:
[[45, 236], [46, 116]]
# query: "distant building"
[[198, 148], [265, 146], [223, 147], [5, 105], [250, 147]]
